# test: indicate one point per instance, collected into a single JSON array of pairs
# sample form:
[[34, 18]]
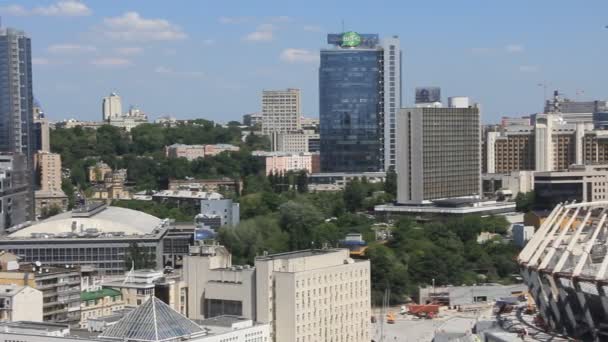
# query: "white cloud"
[[71, 48], [14, 10], [528, 68], [299, 56], [234, 20], [40, 61], [111, 62], [133, 27], [129, 51], [170, 72], [264, 33], [65, 8], [313, 28], [514, 48]]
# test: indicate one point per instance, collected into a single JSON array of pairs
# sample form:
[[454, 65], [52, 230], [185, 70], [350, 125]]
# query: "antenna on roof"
[[343, 30]]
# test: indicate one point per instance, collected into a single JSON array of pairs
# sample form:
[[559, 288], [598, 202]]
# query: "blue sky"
[[211, 59]]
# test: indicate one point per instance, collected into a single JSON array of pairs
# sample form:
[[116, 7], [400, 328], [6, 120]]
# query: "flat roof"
[[298, 254], [222, 321], [483, 208]]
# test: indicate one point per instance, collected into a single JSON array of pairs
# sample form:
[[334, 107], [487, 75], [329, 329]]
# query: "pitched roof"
[[152, 321]]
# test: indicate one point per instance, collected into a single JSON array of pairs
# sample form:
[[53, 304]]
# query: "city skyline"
[[194, 62]]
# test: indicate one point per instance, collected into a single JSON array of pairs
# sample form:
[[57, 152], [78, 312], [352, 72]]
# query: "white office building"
[[314, 295]]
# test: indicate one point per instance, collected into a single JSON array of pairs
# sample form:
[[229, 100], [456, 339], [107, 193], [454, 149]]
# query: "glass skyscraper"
[[16, 116], [359, 94]]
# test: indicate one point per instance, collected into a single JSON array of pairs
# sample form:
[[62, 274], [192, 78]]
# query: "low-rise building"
[[281, 162], [99, 303], [47, 201], [215, 286], [222, 185], [60, 287], [295, 142], [98, 172], [71, 123], [185, 197], [335, 181], [20, 303], [579, 183], [253, 119], [467, 295], [507, 186], [192, 152], [137, 286], [95, 234], [153, 321], [218, 212]]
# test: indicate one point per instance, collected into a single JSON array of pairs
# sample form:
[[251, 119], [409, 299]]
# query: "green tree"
[[299, 220], [390, 185], [138, 257], [354, 193], [524, 202], [302, 181]]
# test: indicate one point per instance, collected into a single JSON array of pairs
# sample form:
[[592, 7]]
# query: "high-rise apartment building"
[[111, 107], [314, 295], [281, 111], [48, 170], [438, 154], [16, 98], [360, 93]]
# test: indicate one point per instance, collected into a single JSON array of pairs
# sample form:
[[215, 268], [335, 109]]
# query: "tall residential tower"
[[359, 95]]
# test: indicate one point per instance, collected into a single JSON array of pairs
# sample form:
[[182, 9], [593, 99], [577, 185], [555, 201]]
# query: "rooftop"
[[10, 290], [92, 295], [106, 222], [153, 321], [298, 254], [188, 194], [226, 321]]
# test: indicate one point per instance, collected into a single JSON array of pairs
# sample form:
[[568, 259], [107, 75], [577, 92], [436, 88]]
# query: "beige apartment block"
[[314, 295]]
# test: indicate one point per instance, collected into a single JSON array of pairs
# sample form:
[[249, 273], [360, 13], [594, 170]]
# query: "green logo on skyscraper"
[[351, 39]]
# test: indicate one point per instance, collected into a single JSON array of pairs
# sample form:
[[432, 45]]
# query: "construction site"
[[486, 313]]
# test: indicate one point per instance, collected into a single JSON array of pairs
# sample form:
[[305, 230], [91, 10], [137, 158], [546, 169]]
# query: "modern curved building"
[[565, 266]]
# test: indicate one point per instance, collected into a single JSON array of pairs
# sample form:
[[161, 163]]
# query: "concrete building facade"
[[48, 170], [438, 155], [20, 303], [218, 212], [111, 107], [281, 162], [281, 111], [192, 152], [295, 142], [578, 183], [315, 295]]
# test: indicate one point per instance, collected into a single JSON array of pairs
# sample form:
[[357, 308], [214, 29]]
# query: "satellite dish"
[[38, 263]]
